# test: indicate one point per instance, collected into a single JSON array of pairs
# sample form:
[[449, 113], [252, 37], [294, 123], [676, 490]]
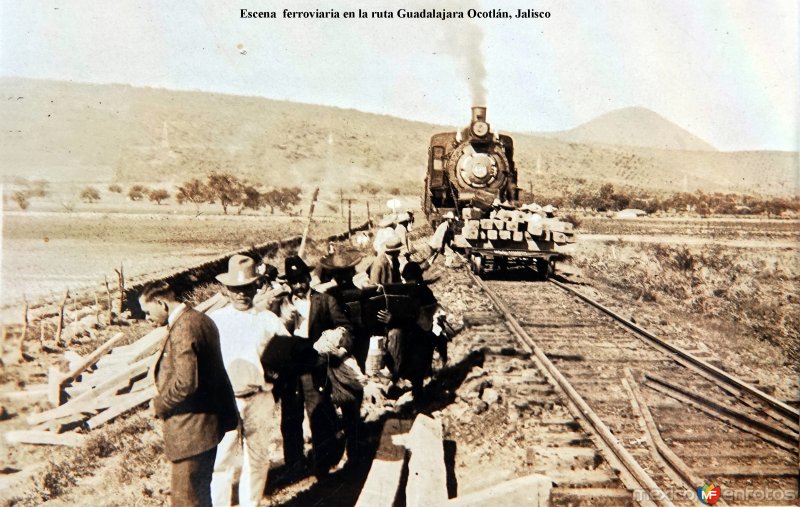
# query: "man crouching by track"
[[245, 334], [194, 398]]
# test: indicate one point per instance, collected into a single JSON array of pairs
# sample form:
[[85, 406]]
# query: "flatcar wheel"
[[477, 265], [545, 268]]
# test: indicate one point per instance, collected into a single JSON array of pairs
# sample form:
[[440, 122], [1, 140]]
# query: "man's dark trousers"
[[191, 480], [297, 392]]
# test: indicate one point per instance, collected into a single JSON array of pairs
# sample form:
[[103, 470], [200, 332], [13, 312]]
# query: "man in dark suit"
[[307, 314], [195, 399]]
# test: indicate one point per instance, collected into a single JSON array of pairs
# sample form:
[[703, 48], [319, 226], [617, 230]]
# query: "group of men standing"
[[218, 375]]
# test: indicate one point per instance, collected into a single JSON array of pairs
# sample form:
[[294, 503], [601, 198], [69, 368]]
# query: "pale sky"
[[726, 70]]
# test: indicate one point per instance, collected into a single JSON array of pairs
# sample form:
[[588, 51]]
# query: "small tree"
[[252, 198], [225, 188], [90, 195], [137, 192], [289, 197], [283, 198], [21, 199], [115, 188], [193, 191], [157, 195]]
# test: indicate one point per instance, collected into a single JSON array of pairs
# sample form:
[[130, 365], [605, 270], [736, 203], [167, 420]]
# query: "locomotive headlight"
[[480, 128]]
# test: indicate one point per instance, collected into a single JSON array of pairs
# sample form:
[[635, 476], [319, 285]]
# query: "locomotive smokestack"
[[478, 114]]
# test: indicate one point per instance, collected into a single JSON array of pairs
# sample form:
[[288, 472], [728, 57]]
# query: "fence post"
[[121, 284], [25, 321], [61, 316], [110, 305], [349, 219]]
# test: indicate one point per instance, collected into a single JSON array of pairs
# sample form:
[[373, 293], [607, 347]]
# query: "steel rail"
[[704, 368], [620, 452]]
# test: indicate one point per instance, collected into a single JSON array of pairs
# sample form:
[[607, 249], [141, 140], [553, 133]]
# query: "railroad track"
[[667, 420]]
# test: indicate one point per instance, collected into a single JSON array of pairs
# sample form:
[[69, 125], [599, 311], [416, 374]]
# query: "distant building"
[[630, 213]]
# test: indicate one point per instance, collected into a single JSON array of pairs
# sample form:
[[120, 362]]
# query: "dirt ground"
[[673, 289], [729, 284]]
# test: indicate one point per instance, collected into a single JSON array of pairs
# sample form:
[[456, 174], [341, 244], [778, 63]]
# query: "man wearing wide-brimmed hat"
[[386, 267], [308, 314], [340, 267], [244, 336]]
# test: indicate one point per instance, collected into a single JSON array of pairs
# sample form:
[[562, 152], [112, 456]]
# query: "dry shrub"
[[134, 436], [573, 219], [736, 285], [56, 480]]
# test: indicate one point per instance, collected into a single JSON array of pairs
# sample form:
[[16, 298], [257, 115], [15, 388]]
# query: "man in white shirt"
[[245, 333]]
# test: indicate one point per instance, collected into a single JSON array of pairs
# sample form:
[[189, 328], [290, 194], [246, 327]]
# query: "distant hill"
[[634, 126], [74, 132]]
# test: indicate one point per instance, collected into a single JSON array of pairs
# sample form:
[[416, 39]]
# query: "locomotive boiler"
[[470, 167]]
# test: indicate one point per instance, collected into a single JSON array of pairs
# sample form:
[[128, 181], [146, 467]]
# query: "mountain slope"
[[73, 132], [634, 126]]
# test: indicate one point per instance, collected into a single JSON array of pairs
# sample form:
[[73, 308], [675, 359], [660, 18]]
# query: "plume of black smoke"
[[464, 42]]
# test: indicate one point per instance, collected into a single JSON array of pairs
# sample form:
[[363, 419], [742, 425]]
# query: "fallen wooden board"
[[427, 475], [92, 358], [123, 404], [85, 400], [383, 481], [530, 491], [25, 394], [44, 438]]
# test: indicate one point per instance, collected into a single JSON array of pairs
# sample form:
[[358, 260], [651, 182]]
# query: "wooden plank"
[[44, 438], [92, 358], [85, 400], [427, 476], [25, 394], [532, 490], [122, 404], [145, 345], [113, 360], [383, 480]]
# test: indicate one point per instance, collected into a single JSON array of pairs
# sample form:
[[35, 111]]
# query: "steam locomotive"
[[471, 167], [471, 174]]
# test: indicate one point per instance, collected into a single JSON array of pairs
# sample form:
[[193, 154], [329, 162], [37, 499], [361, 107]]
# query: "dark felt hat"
[[295, 270]]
